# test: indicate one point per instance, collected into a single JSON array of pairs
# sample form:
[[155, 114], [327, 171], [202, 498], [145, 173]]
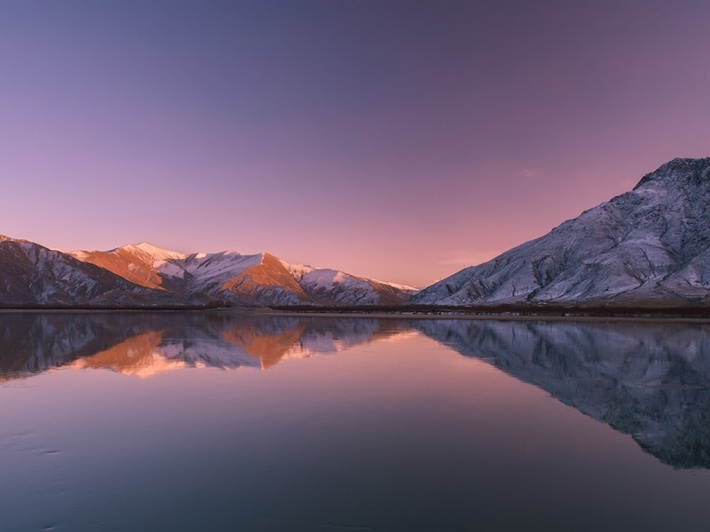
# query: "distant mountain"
[[648, 246], [145, 276], [260, 279]]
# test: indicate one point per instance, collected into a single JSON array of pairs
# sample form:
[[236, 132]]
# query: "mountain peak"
[[5, 237], [157, 253], [680, 170]]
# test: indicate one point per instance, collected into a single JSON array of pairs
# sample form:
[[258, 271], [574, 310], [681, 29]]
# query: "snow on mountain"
[[649, 245], [131, 263], [260, 279], [333, 286], [154, 252]]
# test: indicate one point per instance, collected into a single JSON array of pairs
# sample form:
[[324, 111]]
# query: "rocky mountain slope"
[[33, 274], [649, 245], [145, 276]]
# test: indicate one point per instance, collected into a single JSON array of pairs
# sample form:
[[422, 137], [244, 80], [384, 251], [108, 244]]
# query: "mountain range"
[[145, 276], [649, 246]]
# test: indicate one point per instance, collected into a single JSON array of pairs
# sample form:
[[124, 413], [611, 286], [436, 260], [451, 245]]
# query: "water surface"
[[213, 421]]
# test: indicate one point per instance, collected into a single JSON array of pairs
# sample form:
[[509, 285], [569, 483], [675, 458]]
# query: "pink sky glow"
[[396, 140]]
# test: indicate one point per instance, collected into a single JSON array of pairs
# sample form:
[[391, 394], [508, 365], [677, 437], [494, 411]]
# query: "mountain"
[[648, 246], [31, 274], [336, 287], [243, 279], [145, 276]]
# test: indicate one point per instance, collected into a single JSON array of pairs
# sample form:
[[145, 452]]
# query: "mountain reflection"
[[144, 344], [649, 380]]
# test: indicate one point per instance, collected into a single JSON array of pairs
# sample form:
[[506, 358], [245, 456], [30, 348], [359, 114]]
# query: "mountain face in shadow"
[[649, 380], [34, 274]]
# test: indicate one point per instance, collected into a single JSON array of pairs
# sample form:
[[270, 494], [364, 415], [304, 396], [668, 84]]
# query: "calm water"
[[219, 422]]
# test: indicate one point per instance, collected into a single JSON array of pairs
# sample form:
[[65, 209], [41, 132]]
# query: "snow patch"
[[155, 252]]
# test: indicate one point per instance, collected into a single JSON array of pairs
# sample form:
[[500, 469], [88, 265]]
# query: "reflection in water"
[[145, 344], [397, 435], [649, 380], [32, 342]]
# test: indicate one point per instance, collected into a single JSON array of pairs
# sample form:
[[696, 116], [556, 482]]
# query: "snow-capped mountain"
[[649, 245], [260, 279], [145, 276], [333, 286]]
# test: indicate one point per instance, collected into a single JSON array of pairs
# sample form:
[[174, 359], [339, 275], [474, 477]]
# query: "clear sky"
[[399, 140]]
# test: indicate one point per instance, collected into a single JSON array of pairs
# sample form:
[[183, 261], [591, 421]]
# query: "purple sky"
[[396, 140]]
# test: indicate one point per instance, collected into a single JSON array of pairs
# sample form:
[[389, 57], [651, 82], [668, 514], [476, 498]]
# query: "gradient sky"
[[396, 140]]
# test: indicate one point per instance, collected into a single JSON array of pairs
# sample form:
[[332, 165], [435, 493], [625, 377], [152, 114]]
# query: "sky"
[[398, 140]]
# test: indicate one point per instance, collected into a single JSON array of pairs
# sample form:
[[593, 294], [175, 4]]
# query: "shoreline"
[[493, 317], [655, 315]]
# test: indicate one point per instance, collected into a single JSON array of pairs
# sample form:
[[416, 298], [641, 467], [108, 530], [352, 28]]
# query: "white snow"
[[218, 267], [156, 252], [169, 269], [398, 286]]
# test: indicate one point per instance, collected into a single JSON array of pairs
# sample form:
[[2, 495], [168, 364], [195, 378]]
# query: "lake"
[[225, 421]]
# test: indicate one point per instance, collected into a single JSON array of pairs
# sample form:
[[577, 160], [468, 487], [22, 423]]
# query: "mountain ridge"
[[144, 275]]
